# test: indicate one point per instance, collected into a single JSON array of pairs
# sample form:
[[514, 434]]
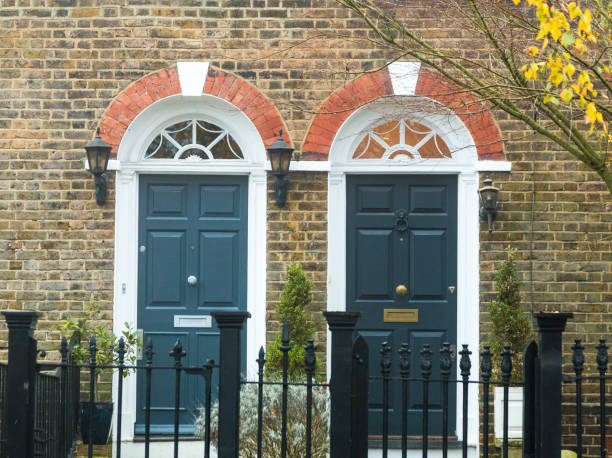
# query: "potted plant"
[[295, 298], [510, 326], [107, 345]]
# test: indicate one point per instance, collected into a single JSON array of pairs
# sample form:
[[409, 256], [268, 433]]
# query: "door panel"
[[374, 281], [219, 278], [421, 256], [188, 226], [164, 288]]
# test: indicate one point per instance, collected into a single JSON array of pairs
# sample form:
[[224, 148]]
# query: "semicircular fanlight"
[[193, 140], [401, 140]]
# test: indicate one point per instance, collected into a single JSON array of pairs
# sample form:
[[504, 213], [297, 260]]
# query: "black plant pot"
[[102, 420]]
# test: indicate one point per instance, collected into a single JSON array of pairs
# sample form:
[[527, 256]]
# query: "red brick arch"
[[372, 86], [164, 83]]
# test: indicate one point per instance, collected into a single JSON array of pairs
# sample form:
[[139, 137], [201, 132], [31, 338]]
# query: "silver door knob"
[[192, 280]]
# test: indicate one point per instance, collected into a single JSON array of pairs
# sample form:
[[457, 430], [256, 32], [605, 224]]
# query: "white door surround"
[[130, 165], [464, 163]]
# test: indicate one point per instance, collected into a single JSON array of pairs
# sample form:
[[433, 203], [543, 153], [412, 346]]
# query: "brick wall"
[[298, 232], [64, 62]]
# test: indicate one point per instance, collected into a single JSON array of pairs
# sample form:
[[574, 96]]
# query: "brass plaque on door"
[[401, 315]]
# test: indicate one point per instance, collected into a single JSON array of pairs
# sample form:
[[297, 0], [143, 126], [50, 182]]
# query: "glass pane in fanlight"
[[414, 132], [389, 132], [368, 149], [227, 149], [181, 132], [435, 148], [165, 150], [206, 132]]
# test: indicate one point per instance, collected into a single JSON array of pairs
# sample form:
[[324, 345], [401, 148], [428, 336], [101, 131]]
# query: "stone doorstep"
[[99, 451]]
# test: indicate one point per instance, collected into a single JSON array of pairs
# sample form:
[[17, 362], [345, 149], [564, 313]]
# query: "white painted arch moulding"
[[465, 165], [130, 166]]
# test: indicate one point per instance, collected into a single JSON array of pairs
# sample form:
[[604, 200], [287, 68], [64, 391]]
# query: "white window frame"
[[465, 165], [130, 165]]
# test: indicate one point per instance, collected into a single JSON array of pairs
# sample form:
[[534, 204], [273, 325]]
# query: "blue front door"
[[192, 261], [402, 231]]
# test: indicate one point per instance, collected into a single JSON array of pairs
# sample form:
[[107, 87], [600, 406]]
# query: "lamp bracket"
[[281, 183], [101, 188]]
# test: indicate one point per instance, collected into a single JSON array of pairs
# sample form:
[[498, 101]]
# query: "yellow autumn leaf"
[[567, 95], [533, 50], [569, 70]]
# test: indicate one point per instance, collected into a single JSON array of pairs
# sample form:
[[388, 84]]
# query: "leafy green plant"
[[510, 325], [271, 424], [107, 343], [295, 298]]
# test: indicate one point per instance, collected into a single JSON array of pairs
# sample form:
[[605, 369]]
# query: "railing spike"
[[93, 349], [445, 360], [310, 359], [121, 351], [285, 336], [64, 350], [261, 361], [578, 357], [486, 365], [465, 364], [506, 363], [602, 356], [149, 351], [404, 361]]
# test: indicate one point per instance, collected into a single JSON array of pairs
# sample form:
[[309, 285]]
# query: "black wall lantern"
[[98, 153], [280, 158], [488, 199]]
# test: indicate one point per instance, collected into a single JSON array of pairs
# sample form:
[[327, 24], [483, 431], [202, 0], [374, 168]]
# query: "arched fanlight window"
[[401, 140], [194, 140]]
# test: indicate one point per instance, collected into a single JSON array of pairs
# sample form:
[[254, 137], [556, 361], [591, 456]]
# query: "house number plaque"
[[401, 315]]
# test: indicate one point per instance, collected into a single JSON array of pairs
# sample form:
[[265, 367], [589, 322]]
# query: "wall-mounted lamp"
[[98, 153], [280, 158], [488, 199]]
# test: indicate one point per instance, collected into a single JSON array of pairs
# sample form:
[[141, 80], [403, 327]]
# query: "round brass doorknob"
[[401, 290]]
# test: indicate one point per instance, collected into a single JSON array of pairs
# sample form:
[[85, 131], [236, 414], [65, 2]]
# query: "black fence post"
[[20, 383], [550, 329], [530, 364], [230, 363], [342, 325], [359, 399]]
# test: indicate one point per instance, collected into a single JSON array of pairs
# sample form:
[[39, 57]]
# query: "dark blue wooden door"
[[402, 230], [192, 261]]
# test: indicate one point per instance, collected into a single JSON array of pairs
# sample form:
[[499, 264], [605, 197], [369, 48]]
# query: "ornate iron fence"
[[46, 411]]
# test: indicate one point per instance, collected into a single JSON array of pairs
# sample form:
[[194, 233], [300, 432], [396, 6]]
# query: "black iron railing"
[[422, 375], [56, 405], [601, 360], [50, 420], [310, 362]]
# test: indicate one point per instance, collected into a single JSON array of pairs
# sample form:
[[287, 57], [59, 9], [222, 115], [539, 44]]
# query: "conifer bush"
[[510, 325], [295, 298]]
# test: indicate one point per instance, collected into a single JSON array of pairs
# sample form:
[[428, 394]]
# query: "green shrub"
[[295, 298], [510, 325], [106, 342]]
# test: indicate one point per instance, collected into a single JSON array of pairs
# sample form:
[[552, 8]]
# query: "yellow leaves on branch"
[[570, 27]]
